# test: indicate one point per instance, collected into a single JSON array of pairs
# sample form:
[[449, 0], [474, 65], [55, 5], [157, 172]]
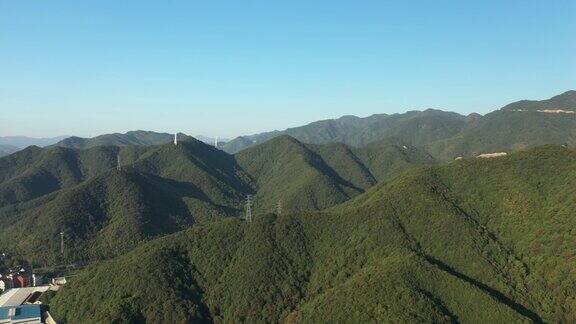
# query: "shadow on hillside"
[[485, 288]]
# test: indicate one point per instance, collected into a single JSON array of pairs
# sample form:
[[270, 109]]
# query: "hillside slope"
[[34, 171], [479, 240], [103, 217], [167, 187], [213, 172], [517, 126], [508, 131]]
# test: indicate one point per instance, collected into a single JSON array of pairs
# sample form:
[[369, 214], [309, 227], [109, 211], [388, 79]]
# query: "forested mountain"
[[130, 138], [103, 217], [213, 173], [296, 176], [282, 168], [517, 126], [356, 220], [80, 192], [478, 240], [159, 190], [35, 171], [414, 127]]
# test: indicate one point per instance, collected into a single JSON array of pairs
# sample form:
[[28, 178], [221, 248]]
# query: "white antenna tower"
[[176, 139], [249, 208], [216, 142]]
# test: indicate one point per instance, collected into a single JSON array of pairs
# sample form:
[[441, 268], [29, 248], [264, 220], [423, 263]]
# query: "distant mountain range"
[[11, 144], [446, 135], [414, 127], [23, 141]]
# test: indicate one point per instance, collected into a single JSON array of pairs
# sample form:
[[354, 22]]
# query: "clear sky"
[[238, 67]]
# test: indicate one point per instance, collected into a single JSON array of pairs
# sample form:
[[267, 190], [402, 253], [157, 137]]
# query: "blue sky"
[[238, 67]]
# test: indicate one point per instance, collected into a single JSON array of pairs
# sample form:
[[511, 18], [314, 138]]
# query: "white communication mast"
[[216, 142], [176, 139]]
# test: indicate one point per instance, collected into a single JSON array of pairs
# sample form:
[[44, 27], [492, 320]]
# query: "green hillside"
[[103, 217], [214, 173], [166, 188], [34, 172], [389, 157], [311, 177], [176, 185], [289, 172], [478, 240]]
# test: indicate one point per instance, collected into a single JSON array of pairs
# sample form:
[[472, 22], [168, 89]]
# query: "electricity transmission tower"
[[249, 208], [279, 207], [118, 161]]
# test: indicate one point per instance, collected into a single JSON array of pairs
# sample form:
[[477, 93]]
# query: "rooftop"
[[17, 296], [19, 313]]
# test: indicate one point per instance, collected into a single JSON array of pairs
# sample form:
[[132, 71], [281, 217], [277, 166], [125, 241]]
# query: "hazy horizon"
[[226, 68]]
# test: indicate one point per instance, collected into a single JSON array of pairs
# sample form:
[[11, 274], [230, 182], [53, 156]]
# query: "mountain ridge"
[[356, 131]]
